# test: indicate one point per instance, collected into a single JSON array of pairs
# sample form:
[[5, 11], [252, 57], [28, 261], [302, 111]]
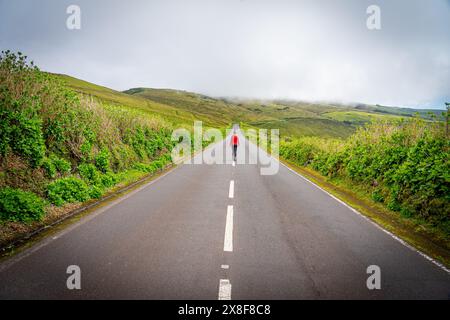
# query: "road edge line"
[[85, 214], [392, 235], [379, 227]]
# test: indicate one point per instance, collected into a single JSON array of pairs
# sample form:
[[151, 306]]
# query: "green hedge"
[[404, 165], [47, 130], [67, 190], [18, 205]]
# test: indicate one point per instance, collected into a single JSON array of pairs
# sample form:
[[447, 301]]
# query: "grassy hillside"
[[324, 120], [428, 114], [293, 118], [310, 127], [359, 117], [207, 109], [170, 113]]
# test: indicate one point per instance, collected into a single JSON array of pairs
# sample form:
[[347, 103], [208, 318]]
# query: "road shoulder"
[[418, 239], [72, 214]]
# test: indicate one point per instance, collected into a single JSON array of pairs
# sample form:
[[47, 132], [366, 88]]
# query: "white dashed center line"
[[228, 242], [231, 193], [224, 289], [225, 284]]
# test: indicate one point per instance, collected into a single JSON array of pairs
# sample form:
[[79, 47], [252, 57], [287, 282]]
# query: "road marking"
[[225, 266], [427, 257], [228, 241], [224, 289], [231, 193]]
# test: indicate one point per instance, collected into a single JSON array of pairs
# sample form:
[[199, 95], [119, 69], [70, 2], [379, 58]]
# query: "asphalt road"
[[188, 236]]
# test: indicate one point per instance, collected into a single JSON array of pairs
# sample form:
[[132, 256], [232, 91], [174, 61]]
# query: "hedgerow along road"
[[223, 232]]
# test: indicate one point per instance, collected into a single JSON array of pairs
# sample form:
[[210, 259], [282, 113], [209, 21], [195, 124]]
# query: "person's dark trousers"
[[235, 152]]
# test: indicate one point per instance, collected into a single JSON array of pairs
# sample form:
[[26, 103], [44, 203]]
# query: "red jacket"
[[235, 140]]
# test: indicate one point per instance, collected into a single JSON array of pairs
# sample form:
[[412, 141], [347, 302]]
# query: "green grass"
[[359, 117], [292, 120], [212, 111], [308, 127], [427, 114]]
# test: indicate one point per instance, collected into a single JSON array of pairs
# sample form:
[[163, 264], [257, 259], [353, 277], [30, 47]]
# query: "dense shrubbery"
[[154, 166], [49, 130], [18, 205], [54, 165], [404, 165], [69, 189], [89, 173]]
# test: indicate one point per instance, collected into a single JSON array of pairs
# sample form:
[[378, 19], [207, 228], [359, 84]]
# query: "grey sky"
[[309, 50]]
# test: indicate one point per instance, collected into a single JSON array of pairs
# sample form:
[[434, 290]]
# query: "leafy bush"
[[89, 173], [20, 124], [92, 176], [67, 190], [102, 160], [95, 192], [148, 168], [63, 166], [53, 165], [49, 167], [402, 164], [377, 196], [18, 205], [108, 180], [22, 135], [153, 166]]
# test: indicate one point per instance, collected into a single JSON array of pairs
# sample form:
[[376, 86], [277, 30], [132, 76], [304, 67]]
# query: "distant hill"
[[293, 118], [201, 106], [173, 114], [407, 112]]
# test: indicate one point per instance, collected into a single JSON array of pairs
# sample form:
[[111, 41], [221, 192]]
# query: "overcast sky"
[[307, 50]]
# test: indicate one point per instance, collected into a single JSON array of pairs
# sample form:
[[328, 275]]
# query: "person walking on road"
[[234, 144]]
